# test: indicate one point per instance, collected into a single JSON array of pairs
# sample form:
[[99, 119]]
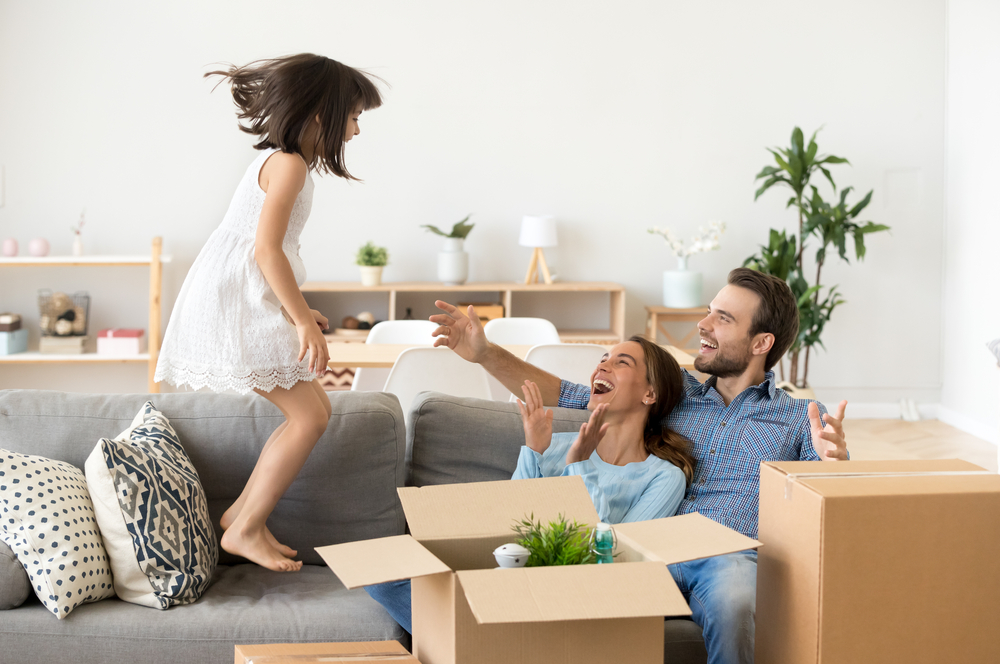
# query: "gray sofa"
[[346, 492]]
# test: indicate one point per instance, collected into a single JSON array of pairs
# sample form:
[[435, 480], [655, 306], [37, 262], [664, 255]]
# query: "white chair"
[[434, 370], [517, 332], [410, 332], [572, 362]]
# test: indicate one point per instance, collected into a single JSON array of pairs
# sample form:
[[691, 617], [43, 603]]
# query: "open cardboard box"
[[878, 562], [465, 610], [314, 653]]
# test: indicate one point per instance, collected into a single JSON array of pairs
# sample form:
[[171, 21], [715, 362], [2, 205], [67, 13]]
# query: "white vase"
[[453, 263], [77, 246], [681, 287], [371, 275]]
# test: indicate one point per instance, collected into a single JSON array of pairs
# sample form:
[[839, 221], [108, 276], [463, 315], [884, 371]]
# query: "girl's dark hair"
[[664, 375], [280, 97]]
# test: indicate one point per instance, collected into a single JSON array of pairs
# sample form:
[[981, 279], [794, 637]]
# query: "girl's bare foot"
[[287, 551], [254, 547]]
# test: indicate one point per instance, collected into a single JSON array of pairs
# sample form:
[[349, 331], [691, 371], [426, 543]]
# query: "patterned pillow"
[[48, 522], [153, 513]]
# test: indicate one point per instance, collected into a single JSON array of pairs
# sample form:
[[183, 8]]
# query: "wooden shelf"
[[153, 262], [505, 291], [76, 261], [35, 357]]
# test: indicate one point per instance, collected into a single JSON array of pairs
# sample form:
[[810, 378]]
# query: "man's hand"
[[537, 420], [829, 441], [460, 332], [591, 433]]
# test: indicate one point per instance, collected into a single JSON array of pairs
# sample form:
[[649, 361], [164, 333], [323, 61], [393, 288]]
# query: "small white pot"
[[453, 263], [681, 288], [77, 246], [511, 555], [371, 275]]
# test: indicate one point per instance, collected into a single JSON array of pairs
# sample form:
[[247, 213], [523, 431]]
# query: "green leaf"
[[774, 179], [781, 162], [871, 227], [861, 205], [829, 177], [830, 159], [859, 244], [797, 147], [435, 229], [767, 171]]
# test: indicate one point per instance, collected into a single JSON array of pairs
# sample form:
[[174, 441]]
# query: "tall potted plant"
[[829, 224]]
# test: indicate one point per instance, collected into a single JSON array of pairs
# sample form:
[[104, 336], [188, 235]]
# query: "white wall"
[[612, 116], [970, 395]]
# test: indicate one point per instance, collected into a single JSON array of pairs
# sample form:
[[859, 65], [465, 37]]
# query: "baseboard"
[[928, 411]]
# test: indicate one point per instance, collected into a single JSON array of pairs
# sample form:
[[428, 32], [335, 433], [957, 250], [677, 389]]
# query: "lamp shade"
[[538, 232]]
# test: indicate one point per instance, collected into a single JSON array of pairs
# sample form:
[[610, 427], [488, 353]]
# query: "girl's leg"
[[307, 418]]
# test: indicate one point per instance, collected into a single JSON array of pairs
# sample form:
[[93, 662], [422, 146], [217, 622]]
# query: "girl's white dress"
[[227, 331]]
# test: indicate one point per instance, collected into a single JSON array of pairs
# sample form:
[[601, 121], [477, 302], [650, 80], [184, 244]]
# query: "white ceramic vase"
[[453, 263], [371, 275], [77, 245], [681, 287]]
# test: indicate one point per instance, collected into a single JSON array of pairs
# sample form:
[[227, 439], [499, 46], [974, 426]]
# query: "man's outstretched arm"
[[463, 333]]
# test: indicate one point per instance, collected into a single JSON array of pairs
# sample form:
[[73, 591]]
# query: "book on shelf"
[[72, 345]]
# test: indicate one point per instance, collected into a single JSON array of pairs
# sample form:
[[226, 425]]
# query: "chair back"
[[411, 332], [517, 332], [572, 362], [435, 370]]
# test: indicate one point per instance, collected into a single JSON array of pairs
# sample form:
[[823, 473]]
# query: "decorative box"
[[69, 345], [10, 322], [15, 341], [122, 342]]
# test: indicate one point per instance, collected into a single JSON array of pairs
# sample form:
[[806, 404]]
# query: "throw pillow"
[[15, 586], [48, 522], [153, 513]]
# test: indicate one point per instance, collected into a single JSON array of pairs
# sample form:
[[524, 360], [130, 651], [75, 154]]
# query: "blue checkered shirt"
[[762, 423]]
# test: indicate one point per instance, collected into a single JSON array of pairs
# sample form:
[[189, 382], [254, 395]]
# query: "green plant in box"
[[558, 543], [372, 256]]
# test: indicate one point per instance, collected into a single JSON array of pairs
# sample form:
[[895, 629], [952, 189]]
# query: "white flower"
[[705, 240]]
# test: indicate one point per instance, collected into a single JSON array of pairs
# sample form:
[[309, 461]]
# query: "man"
[[735, 420]]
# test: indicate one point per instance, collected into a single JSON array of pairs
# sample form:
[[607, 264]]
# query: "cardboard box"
[[878, 561], [121, 342], [15, 341], [308, 653], [486, 311], [10, 322], [465, 610]]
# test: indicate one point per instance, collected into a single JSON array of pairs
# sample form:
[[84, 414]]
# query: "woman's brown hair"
[[280, 97], [664, 376]]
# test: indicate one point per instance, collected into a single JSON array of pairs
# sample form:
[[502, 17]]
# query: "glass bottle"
[[603, 543]]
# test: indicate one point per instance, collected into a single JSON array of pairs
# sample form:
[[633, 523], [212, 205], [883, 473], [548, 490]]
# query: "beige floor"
[[927, 439]]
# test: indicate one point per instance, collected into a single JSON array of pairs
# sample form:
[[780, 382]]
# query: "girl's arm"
[[661, 497], [282, 178]]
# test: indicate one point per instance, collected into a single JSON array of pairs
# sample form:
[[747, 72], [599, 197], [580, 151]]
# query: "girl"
[[634, 467], [240, 321]]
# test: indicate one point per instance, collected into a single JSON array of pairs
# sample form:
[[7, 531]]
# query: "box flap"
[[484, 509], [677, 539], [380, 560], [572, 592], [898, 477], [890, 466], [301, 653]]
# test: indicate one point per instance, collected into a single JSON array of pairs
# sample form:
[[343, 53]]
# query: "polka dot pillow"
[[153, 513], [48, 522]]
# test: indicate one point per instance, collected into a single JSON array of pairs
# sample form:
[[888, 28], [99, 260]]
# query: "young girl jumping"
[[240, 321]]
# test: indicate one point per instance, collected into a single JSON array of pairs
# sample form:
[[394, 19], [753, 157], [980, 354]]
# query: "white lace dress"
[[227, 331]]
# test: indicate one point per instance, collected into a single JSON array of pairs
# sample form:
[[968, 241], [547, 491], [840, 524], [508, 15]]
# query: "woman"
[[634, 467]]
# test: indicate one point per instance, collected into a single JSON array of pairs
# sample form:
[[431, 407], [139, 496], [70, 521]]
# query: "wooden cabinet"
[[154, 261], [507, 294]]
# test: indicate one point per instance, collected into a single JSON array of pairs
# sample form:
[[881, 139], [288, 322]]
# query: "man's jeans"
[[722, 592], [394, 596]]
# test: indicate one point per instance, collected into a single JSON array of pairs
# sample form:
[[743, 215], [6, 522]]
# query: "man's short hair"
[[777, 311]]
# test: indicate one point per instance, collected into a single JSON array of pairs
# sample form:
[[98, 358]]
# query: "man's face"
[[726, 345]]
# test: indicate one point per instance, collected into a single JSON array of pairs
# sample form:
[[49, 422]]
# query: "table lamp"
[[538, 232]]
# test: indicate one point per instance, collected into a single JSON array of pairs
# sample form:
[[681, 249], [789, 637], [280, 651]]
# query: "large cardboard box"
[[878, 561], [465, 610], [309, 653]]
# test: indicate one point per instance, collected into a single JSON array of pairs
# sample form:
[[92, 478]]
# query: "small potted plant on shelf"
[[453, 262], [371, 260], [681, 287]]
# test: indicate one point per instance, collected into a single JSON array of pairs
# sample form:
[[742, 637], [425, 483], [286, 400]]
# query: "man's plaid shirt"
[[762, 423]]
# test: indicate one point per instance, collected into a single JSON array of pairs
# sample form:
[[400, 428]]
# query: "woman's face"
[[620, 380]]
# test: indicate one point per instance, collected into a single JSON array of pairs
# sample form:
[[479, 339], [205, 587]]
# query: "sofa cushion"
[[153, 514], [14, 583], [455, 439], [245, 604], [47, 519], [345, 492]]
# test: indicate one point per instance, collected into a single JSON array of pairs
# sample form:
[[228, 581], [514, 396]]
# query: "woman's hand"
[[321, 320], [537, 420], [591, 433], [311, 340]]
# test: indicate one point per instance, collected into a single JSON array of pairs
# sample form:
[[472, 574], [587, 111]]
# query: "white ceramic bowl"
[[511, 555]]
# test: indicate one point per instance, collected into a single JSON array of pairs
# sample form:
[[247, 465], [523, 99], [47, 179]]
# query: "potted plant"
[[681, 288], [558, 543], [371, 260], [453, 262], [829, 224]]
